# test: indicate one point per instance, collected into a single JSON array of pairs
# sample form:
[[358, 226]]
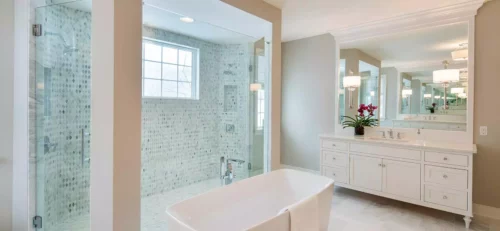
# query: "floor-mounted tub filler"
[[274, 201]]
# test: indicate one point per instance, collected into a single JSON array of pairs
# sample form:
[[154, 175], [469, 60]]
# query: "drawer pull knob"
[[446, 158], [445, 176], [333, 158], [333, 145], [334, 174], [445, 197]]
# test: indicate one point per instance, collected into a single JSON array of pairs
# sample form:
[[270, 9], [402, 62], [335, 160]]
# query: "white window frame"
[[194, 69]]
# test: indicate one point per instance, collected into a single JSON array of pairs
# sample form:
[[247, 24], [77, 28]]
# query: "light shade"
[[462, 95], [446, 76], [437, 97], [427, 96], [457, 90], [458, 55], [372, 93], [352, 81], [407, 92], [255, 86], [186, 19]]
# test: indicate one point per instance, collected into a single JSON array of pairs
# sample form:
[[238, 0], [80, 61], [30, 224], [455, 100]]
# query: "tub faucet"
[[391, 134], [228, 176]]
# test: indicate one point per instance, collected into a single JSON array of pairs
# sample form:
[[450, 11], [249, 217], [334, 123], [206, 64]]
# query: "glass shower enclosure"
[[60, 116]]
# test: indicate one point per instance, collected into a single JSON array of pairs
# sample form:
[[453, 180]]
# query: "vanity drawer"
[[338, 174], [333, 144], [386, 151], [455, 178], [446, 158], [446, 197], [334, 159]]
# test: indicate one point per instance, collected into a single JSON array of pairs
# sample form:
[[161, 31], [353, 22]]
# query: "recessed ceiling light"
[[187, 19]]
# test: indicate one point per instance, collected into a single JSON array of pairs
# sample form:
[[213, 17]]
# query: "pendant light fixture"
[[351, 82]]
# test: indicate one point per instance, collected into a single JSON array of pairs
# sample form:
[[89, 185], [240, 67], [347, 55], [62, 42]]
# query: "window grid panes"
[[169, 70], [260, 109]]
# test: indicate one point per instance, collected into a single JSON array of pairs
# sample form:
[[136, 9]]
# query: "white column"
[[116, 115]]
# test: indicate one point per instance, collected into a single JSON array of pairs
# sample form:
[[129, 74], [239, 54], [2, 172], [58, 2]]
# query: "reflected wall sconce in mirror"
[[407, 94], [351, 82], [462, 53], [445, 77], [427, 97]]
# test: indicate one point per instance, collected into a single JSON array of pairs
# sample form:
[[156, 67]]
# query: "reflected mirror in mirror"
[[418, 79]]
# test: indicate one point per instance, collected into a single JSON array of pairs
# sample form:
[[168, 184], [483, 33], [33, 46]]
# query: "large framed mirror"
[[418, 78]]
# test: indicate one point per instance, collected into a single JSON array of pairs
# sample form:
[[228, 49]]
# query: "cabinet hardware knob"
[[446, 158], [445, 197], [333, 145], [445, 176], [334, 174], [333, 158]]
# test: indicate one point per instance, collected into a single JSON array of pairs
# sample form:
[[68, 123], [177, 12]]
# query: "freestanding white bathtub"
[[252, 204]]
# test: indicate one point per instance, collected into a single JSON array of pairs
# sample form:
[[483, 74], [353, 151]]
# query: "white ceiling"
[[242, 28], [306, 18], [429, 46]]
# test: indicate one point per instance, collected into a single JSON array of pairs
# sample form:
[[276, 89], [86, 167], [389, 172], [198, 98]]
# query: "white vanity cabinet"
[[427, 174]]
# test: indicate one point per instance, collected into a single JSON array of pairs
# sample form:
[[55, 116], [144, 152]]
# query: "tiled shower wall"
[[183, 140]]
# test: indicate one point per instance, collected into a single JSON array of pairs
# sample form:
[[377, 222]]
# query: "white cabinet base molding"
[[438, 177]]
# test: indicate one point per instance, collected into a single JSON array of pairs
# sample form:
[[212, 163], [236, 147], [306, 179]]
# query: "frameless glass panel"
[[62, 108], [208, 128]]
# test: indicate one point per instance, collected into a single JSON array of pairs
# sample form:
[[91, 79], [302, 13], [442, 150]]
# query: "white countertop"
[[425, 145], [433, 121]]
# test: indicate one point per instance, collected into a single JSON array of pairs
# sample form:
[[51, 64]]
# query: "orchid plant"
[[364, 118]]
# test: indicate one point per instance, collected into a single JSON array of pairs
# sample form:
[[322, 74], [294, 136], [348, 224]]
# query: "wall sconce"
[[427, 96], [462, 53], [445, 77], [351, 82]]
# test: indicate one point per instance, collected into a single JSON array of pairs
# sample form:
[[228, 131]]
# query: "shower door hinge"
[[37, 222], [37, 30]]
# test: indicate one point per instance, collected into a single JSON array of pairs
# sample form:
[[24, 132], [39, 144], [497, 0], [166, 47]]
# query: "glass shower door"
[[62, 116]]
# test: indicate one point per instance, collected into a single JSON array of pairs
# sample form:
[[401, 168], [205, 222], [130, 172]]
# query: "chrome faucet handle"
[[399, 136]]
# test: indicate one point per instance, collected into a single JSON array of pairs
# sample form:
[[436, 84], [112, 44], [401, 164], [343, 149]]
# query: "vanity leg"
[[467, 222]]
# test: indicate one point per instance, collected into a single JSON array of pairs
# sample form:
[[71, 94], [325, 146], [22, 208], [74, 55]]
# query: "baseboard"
[[299, 169], [486, 211]]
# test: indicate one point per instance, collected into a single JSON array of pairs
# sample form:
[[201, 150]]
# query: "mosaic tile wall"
[[183, 140]]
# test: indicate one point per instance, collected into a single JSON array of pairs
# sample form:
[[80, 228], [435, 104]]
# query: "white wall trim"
[[20, 197], [423, 19], [486, 211], [284, 166]]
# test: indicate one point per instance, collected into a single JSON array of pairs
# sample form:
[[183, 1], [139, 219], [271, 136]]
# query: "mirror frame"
[[459, 13]]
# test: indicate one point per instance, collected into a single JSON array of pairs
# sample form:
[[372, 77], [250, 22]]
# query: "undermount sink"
[[388, 140]]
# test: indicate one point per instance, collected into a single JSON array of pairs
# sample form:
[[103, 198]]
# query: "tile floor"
[[351, 211]]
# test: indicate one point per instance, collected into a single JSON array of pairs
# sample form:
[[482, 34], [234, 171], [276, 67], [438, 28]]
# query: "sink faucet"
[[391, 134], [383, 134], [227, 170]]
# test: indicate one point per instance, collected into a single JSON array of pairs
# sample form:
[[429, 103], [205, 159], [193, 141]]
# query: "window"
[[169, 70], [260, 109]]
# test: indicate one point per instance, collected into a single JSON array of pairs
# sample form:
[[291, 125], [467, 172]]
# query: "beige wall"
[[6, 111], [486, 112], [272, 14], [308, 99]]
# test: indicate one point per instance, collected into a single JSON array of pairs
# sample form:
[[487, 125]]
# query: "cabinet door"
[[401, 178], [366, 172]]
